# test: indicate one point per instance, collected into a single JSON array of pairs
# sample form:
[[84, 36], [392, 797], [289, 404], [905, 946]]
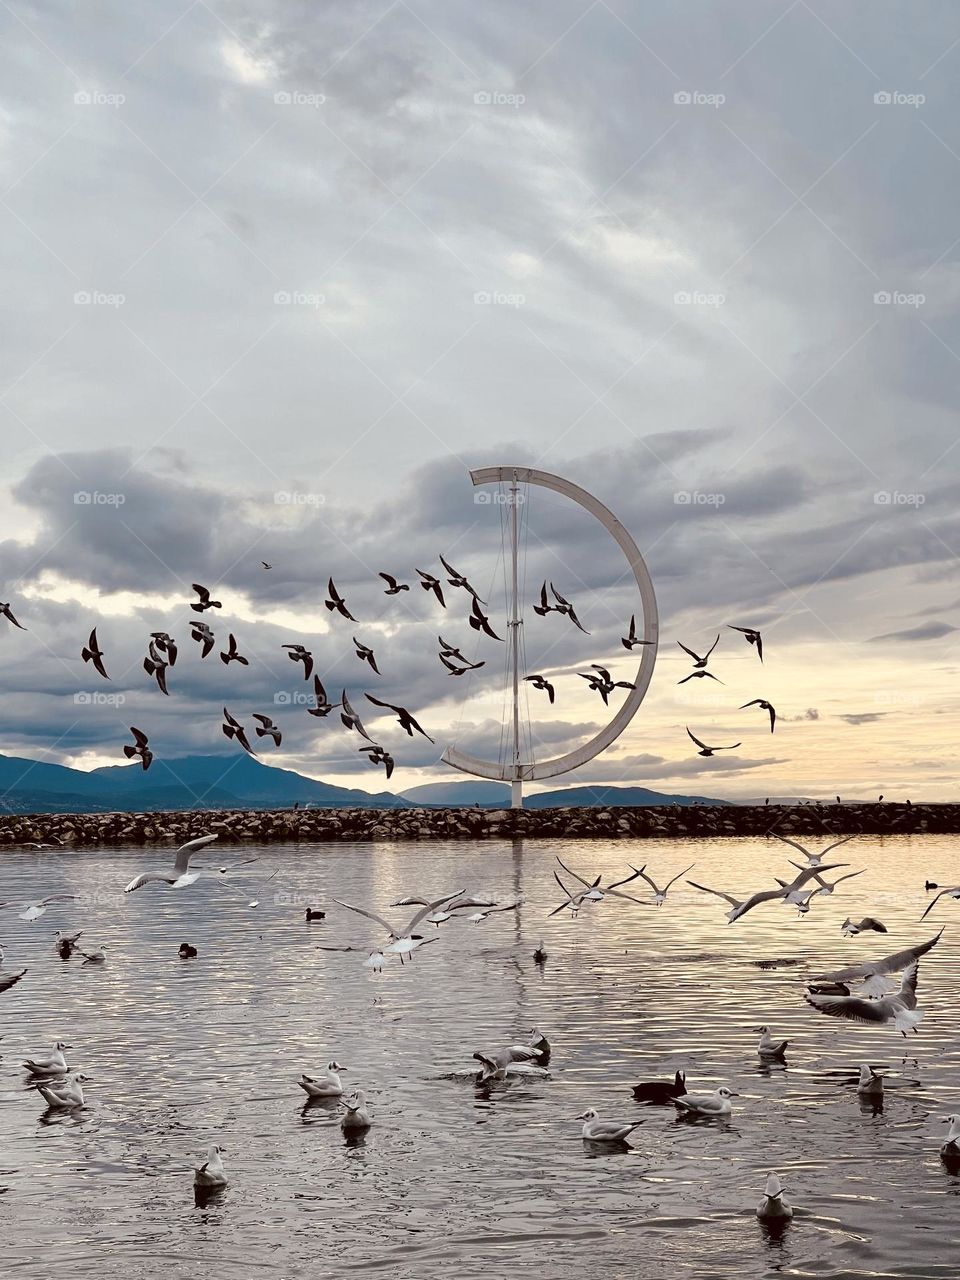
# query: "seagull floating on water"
[[773, 1206], [65, 1096], [326, 1084], [211, 1173], [950, 1148], [769, 1048], [50, 1064], [870, 1084], [707, 1104], [356, 1117], [597, 1130]]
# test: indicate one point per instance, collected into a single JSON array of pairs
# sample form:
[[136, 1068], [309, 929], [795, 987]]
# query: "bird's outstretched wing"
[[880, 968], [717, 893]]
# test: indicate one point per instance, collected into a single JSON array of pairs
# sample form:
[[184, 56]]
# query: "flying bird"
[[699, 675], [7, 612], [182, 875], [944, 893], [267, 729], [234, 729], [393, 586], [154, 665], [142, 748], [480, 622], [297, 653], [660, 895], [873, 972], [401, 939], [898, 1007], [544, 607], [323, 704], [708, 751], [850, 928], [200, 632], [813, 859], [335, 601], [631, 640], [430, 583], [34, 910], [377, 755], [740, 907], [204, 601], [232, 654], [459, 671], [541, 682], [407, 721], [265, 565], [764, 705], [752, 636], [93, 653], [565, 607], [350, 718], [699, 662], [166, 644], [365, 654], [458, 580]]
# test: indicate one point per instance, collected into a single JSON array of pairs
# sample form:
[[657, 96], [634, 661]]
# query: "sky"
[[279, 274]]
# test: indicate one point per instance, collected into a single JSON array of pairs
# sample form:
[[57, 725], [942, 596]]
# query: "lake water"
[[452, 1180]]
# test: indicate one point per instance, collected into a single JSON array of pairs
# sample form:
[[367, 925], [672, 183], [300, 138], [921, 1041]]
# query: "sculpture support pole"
[[516, 783]]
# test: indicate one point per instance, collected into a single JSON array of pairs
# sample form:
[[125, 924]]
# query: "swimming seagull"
[[870, 1084], [141, 748], [204, 602], [393, 586], [708, 751], [660, 895], [7, 612], [541, 682], [335, 601], [326, 1084], [267, 729], [430, 583], [495, 1066], [93, 653], [950, 1148], [407, 721], [768, 1047], [631, 640], [707, 1104], [764, 706], [480, 622], [944, 893], [699, 662], [323, 706], [232, 653], [597, 1130], [350, 718], [9, 980], [900, 1007], [356, 1117], [297, 653], [365, 654], [378, 755], [752, 636], [95, 957], [182, 876], [211, 1173], [66, 1096], [458, 580], [565, 607], [813, 859], [773, 1206], [51, 1064], [65, 943], [200, 632], [232, 728], [34, 910], [851, 928], [742, 906]]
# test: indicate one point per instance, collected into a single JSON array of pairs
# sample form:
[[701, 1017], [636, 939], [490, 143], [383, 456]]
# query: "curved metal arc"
[[651, 625]]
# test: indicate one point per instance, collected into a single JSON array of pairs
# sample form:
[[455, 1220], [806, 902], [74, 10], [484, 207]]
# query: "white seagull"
[[597, 1130], [870, 1084], [814, 859], [182, 876], [706, 1104], [773, 1204], [742, 906], [874, 971], [325, 1085], [495, 1066], [770, 1048], [356, 1116], [950, 1148], [900, 1007], [211, 1173], [944, 893], [66, 1095], [34, 910], [403, 942], [660, 895], [51, 1064]]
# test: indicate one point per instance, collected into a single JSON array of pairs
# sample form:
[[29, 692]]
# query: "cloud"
[[862, 717], [927, 631]]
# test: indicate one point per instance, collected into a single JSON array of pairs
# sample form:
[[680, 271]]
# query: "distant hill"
[[496, 795]]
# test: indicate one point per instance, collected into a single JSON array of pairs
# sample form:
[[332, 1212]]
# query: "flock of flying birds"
[[862, 993], [163, 650]]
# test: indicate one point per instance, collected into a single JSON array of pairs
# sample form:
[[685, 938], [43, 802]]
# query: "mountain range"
[[240, 782]]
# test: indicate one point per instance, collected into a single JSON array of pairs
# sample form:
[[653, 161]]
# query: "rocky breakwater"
[[817, 822]]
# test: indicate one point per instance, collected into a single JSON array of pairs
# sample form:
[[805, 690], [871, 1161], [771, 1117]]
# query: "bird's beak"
[[583, 1116], [734, 1095]]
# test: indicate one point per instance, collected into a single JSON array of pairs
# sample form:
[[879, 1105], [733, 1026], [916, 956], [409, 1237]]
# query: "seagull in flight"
[[544, 607], [944, 893], [401, 938], [458, 580], [452, 658], [200, 632], [232, 653], [898, 1007], [740, 906], [393, 587], [565, 607], [850, 928], [335, 601], [430, 583], [365, 654], [591, 891], [407, 721], [182, 876], [377, 755], [708, 751], [34, 910], [167, 646], [141, 749], [204, 602], [752, 636], [154, 665], [660, 895], [541, 682], [813, 859], [297, 653], [350, 718], [699, 675], [93, 653], [7, 612], [234, 729], [323, 704], [699, 662], [764, 705], [267, 729], [631, 640], [480, 622], [873, 973]]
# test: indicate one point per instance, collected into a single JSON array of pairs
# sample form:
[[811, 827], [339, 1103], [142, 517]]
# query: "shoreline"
[[90, 830]]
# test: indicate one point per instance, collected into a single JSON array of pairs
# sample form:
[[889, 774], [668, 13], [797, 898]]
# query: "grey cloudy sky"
[[278, 274]]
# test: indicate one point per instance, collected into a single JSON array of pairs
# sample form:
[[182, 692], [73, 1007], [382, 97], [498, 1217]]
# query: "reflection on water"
[[451, 1178]]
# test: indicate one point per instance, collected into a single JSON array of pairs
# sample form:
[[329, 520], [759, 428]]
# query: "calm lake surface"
[[452, 1180]]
